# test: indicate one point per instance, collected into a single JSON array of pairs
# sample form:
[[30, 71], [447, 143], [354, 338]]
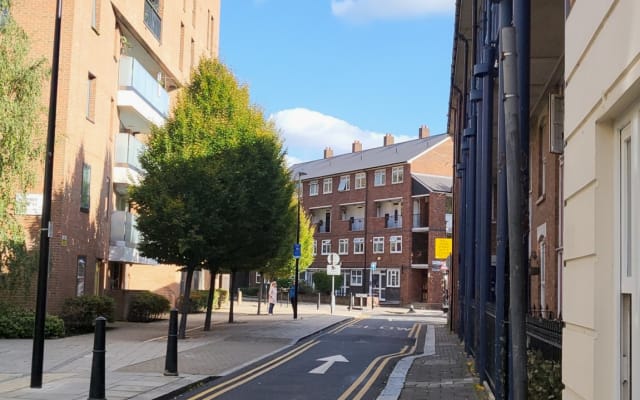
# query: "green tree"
[[216, 191], [21, 79], [322, 282]]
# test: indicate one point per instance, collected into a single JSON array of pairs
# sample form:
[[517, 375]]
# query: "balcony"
[[392, 221], [356, 224], [127, 168], [124, 239], [142, 101]]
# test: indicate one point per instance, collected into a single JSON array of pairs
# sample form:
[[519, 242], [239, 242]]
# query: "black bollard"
[[96, 388], [318, 306], [171, 361]]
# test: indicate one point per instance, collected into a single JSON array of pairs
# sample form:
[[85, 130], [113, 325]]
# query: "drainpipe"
[[502, 229], [517, 275], [484, 72], [469, 237]]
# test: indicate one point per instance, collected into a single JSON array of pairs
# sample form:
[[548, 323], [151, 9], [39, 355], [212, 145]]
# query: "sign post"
[[333, 269], [374, 264]]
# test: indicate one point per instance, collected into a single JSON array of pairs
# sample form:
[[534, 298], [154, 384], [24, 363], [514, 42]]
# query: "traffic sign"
[[333, 258], [296, 250], [374, 264], [333, 269], [443, 248]]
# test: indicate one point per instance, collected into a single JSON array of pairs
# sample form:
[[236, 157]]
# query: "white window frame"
[[380, 177], [326, 247], [327, 185], [315, 247], [313, 188], [358, 245], [258, 277], [357, 274], [395, 244], [343, 246], [345, 183], [378, 244], [397, 175], [360, 180], [393, 277]]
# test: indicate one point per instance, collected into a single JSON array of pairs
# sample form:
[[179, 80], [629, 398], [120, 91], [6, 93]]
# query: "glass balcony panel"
[[134, 76], [128, 150]]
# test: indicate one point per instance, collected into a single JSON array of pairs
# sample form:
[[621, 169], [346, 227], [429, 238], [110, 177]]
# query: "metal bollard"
[[171, 360], [96, 386], [318, 306], [351, 302]]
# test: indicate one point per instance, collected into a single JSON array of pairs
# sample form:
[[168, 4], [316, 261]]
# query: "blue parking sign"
[[296, 250]]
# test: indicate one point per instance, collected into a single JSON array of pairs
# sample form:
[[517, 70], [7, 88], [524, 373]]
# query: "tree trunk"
[[232, 291], [212, 289], [185, 303]]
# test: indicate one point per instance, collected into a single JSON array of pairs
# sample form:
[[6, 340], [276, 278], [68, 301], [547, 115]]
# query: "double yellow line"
[[381, 361], [239, 380]]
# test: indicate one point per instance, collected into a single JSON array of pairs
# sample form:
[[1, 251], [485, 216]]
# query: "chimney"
[[423, 132], [328, 152], [388, 139], [356, 146]]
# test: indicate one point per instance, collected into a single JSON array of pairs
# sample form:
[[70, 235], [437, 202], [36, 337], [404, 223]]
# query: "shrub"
[[79, 313], [322, 282], [545, 377], [19, 323], [220, 297], [147, 306], [249, 291]]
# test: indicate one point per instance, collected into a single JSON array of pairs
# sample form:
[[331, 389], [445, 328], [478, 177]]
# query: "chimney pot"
[[423, 132], [388, 139], [328, 152], [356, 146]]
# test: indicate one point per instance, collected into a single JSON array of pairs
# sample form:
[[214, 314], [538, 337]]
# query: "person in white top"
[[273, 296]]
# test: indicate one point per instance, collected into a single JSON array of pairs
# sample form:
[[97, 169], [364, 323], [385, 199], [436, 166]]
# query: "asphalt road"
[[351, 361]]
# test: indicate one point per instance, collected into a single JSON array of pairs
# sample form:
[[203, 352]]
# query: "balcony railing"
[[134, 76], [152, 18], [123, 229], [128, 150], [391, 221], [356, 224], [323, 228]]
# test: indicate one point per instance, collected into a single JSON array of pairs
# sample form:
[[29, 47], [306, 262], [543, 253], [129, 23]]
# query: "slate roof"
[[426, 183], [377, 157]]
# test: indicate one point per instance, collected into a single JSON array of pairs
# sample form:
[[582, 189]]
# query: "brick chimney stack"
[[388, 139], [328, 152], [423, 132], [356, 146]]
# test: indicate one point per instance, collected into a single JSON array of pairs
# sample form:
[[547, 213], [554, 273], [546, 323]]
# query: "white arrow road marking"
[[328, 362]]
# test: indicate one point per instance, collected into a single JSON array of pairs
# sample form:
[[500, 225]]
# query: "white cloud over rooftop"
[[306, 133], [370, 10]]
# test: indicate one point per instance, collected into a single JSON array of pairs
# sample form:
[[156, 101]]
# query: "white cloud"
[[307, 133], [370, 10]]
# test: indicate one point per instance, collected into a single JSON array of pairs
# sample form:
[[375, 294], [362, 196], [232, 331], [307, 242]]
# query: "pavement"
[[135, 355]]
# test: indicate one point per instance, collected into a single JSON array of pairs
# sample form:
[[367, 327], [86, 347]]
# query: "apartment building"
[[122, 63], [381, 210]]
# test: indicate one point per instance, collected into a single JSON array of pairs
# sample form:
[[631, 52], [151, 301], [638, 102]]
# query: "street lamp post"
[[295, 304]]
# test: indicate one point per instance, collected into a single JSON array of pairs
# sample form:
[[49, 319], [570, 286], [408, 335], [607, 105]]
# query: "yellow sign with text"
[[443, 248]]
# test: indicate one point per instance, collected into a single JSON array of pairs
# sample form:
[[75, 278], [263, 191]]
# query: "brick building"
[[122, 63], [385, 207]]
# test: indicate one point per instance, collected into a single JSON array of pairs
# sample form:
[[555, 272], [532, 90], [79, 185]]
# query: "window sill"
[[540, 199]]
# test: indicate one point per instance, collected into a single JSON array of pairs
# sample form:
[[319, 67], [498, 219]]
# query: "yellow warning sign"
[[443, 248]]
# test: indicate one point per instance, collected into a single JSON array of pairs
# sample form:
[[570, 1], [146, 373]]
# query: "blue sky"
[[329, 72]]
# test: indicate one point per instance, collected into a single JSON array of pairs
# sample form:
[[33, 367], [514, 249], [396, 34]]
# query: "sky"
[[328, 72]]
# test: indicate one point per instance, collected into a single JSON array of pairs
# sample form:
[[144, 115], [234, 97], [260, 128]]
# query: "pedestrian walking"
[[273, 296], [292, 296]]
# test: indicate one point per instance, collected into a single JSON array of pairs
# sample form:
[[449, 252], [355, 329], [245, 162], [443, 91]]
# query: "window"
[[378, 244], [397, 174], [380, 177], [361, 180], [81, 267], [356, 277], [358, 246], [193, 14], [393, 278], [95, 15], [395, 242], [313, 188], [343, 246], [326, 247], [91, 97], [258, 277], [181, 54], [315, 247], [541, 162], [345, 183], [327, 185], [152, 17], [85, 196]]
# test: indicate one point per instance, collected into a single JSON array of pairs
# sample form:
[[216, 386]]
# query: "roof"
[[425, 184], [380, 156]]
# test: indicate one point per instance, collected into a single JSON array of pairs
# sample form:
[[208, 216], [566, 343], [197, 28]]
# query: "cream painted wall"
[[602, 79]]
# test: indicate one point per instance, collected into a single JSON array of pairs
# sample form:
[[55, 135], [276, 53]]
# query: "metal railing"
[[356, 224]]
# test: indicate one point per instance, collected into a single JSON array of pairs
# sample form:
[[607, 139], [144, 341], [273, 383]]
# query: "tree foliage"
[[21, 110], [216, 191]]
